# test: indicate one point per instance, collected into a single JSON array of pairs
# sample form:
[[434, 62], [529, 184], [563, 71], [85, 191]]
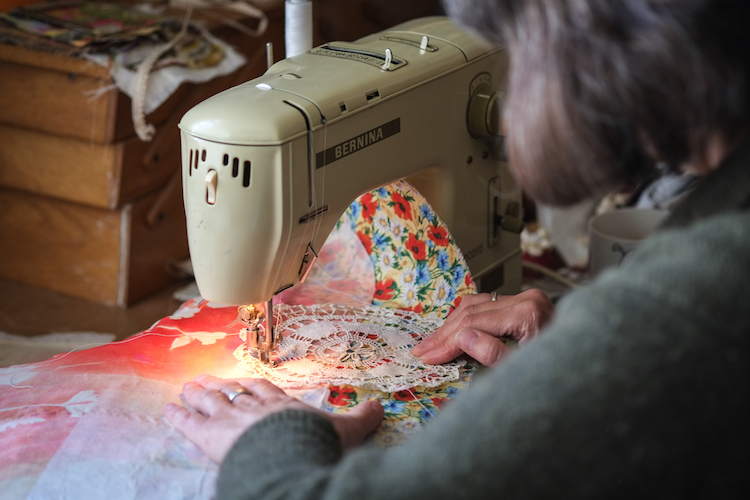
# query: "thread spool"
[[298, 26]]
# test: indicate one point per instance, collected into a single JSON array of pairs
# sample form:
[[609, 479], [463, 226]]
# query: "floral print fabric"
[[418, 266], [405, 411]]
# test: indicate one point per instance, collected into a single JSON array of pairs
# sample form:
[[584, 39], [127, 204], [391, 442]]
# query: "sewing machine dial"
[[485, 107], [481, 80]]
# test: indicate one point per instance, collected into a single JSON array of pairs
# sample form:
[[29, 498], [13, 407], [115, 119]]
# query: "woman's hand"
[[217, 423], [477, 326]]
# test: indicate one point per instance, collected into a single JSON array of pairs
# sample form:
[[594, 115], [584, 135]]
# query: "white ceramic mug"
[[613, 235]]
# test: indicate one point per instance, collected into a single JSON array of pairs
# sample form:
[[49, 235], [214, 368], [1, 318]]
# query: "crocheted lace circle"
[[368, 347]]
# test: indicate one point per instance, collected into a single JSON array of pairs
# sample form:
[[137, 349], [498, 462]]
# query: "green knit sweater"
[[639, 388]]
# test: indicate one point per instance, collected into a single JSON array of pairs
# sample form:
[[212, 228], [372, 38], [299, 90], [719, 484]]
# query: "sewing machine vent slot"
[[226, 159], [203, 155], [235, 167], [246, 174], [196, 159], [190, 163]]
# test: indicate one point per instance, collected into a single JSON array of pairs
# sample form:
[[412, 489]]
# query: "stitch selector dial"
[[485, 108]]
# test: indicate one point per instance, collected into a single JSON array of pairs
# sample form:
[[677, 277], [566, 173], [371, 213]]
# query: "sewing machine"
[[269, 166]]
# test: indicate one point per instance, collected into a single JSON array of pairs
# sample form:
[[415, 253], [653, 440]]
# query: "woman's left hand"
[[479, 324], [217, 423]]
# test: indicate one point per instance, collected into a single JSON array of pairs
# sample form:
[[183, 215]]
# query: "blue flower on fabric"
[[451, 391], [383, 192], [426, 414], [423, 274], [355, 209], [379, 240], [458, 275], [394, 406], [425, 211], [443, 261]]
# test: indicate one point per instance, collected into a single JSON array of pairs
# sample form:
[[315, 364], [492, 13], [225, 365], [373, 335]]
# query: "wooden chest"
[[88, 209]]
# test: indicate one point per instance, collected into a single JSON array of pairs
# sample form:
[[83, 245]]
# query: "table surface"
[[90, 423]]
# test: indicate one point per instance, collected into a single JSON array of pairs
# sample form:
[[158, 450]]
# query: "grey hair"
[[601, 90]]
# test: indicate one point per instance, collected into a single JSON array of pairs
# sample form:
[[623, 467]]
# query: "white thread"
[[298, 26], [319, 222], [419, 402], [145, 131], [243, 7], [96, 93]]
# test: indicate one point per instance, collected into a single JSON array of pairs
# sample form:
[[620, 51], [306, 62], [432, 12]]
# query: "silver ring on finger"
[[231, 395]]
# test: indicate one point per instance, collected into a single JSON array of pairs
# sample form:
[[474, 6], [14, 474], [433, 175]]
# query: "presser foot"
[[260, 344], [258, 348]]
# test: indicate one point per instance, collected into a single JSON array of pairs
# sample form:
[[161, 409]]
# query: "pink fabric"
[[90, 424]]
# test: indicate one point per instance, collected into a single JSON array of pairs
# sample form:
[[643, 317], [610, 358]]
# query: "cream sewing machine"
[[269, 166]]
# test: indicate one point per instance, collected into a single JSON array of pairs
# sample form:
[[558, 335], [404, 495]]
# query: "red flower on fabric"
[[342, 395], [439, 235], [405, 395], [368, 206], [401, 206], [384, 289], [416, 247], [439, 402], [366, 241], [467, 280], [417, 309], [456, 303]]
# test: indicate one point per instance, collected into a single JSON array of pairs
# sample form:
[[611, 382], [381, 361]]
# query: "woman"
[[640, 384]]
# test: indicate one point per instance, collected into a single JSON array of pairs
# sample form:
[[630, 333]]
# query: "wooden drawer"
[[99, 175], [59, 142], [88, 209], [114, 257], [63, 96]]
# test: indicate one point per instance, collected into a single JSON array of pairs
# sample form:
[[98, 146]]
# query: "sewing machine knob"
[[512, 221], [212, 182], [485, 110]]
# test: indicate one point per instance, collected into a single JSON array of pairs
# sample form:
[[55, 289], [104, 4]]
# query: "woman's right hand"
[[479, 324]]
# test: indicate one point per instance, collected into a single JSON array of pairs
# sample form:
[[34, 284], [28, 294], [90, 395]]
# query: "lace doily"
[[368, 347]]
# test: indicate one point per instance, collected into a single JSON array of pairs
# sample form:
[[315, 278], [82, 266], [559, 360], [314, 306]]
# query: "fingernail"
[[423, 347], [190, 386], [466, 339]]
